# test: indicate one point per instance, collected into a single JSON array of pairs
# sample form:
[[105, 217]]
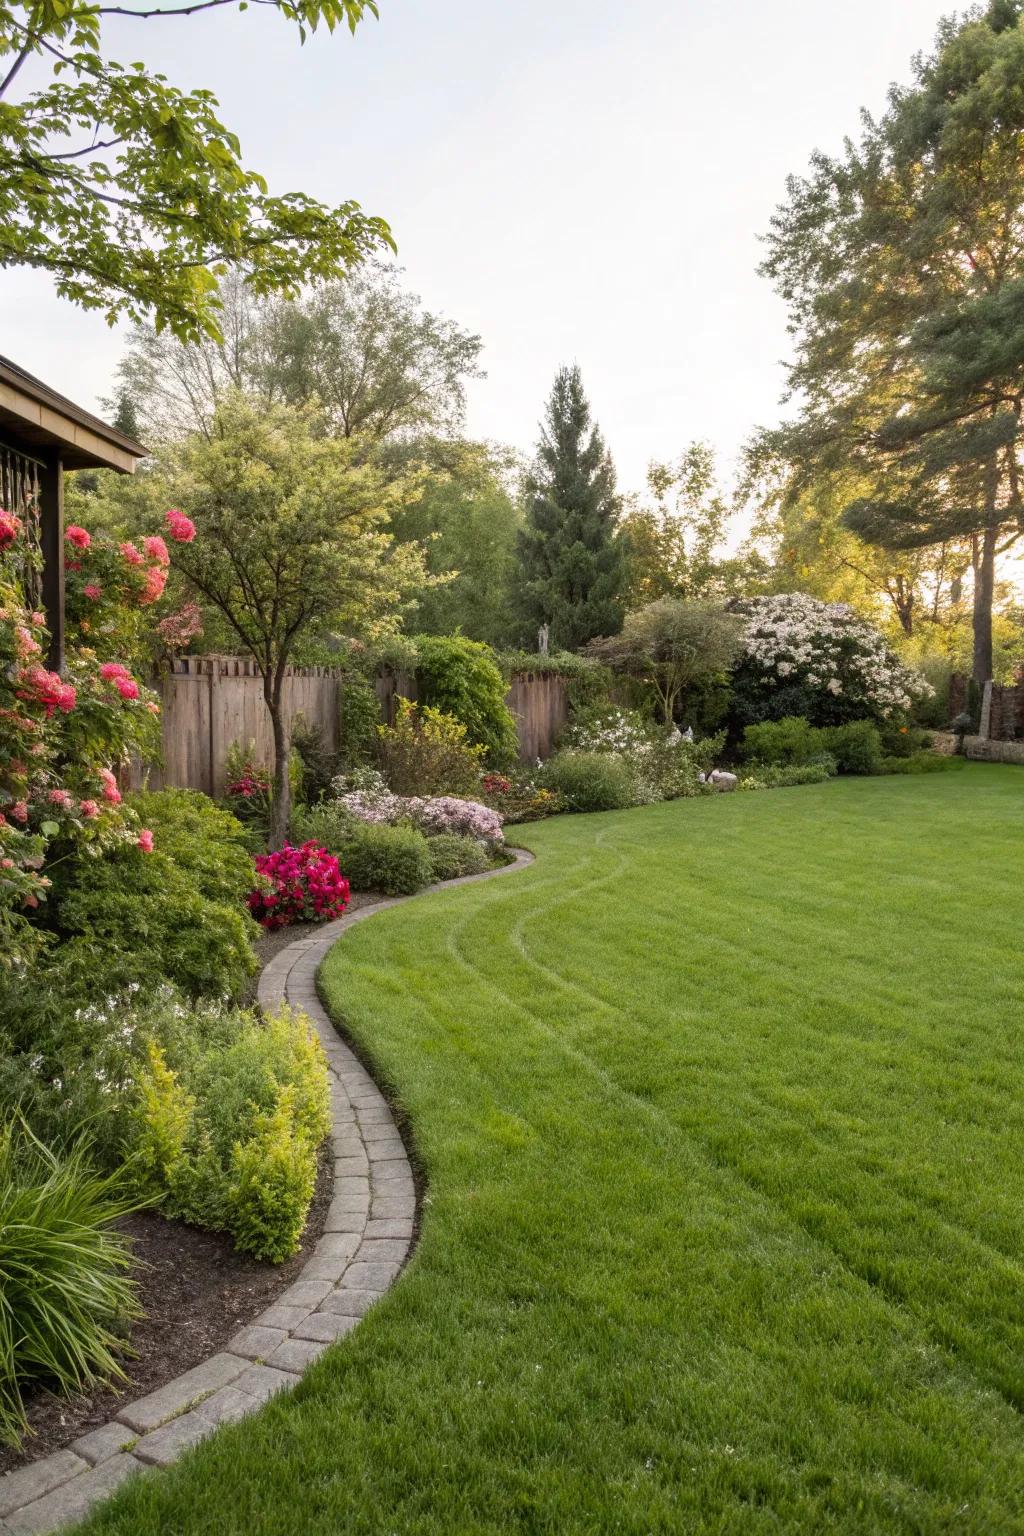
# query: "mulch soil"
[[195, 1292]]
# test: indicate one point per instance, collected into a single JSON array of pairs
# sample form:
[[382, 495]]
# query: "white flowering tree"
[[821, 660]]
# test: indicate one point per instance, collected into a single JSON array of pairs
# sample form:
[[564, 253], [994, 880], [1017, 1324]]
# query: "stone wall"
[[985, 750]]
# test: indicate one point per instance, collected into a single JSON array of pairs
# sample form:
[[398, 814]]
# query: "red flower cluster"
[[497, 784], [253, 782], [156, 580], [298, 885], [10, 527], [181, 528], [114, 672], [77, 536], [37, 686]]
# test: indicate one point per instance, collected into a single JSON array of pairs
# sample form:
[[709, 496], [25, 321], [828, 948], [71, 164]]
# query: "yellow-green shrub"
[[273, 1174], [225, 1127]]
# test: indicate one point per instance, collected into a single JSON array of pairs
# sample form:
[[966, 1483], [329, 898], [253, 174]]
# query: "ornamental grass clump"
[[298, 885], [66, 1289]]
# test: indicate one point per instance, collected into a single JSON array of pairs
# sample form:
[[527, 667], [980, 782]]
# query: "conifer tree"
[[570, 564], [903, 266]]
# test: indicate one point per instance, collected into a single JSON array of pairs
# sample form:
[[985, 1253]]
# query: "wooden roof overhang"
[[38, 421], [42, 434]]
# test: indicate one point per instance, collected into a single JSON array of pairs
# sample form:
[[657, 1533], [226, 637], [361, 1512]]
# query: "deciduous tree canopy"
[[131, 192]]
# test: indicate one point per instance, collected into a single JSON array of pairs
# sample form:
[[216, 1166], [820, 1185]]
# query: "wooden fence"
[[213, 702], [540, 704]]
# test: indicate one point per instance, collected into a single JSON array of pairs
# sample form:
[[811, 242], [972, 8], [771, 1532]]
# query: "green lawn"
[[720, 1106]]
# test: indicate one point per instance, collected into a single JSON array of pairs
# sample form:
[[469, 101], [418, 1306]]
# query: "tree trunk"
[[984, 588], [281, 804]]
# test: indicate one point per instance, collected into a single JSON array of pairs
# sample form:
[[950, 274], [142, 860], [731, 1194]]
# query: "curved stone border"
[[366, 1241]]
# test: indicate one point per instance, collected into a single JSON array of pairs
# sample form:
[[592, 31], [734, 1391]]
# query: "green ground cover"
[[720, 1106]]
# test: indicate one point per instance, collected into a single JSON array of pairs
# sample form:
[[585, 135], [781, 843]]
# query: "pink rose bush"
[[62, 735], [109, 585], [298, 885]]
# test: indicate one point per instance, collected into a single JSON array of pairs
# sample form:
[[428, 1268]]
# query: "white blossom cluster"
[[618, 730], [797, 639]]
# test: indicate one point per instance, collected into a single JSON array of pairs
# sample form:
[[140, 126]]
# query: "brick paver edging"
[[365, 1243]]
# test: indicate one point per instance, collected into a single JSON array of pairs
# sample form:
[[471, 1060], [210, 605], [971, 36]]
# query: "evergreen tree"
[[126, 417], [903, 266], [571, 571]]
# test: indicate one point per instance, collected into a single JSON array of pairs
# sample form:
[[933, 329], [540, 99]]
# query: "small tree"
[[673, 646], [294, 542]]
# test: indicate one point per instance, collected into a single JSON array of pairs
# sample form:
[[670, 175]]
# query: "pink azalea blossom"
[[111, 793], [77, 536], [127, 687], [59, 797], [93, 591], [130, 553], [112, 670], [156, 549], [18, 811], [88, 809], [48, 689]]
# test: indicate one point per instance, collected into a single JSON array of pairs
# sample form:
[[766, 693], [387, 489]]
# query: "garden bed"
[[196, 1290]]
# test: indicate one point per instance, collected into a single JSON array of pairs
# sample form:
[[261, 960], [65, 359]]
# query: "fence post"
[[985, 727], [211, 679]]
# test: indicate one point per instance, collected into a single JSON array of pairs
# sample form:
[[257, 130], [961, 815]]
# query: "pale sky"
[[577, 180]]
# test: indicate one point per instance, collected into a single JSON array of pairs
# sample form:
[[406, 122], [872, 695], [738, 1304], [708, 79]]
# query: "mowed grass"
[[720, 1109]]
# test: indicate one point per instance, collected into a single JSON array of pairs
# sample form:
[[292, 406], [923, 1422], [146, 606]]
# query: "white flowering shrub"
[[662, 764], [819, 660]]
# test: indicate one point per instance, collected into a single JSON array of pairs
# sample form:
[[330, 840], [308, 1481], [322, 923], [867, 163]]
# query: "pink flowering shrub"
[[298, 885], [178, 629], [63, 734], [447, 813], [433, 814]]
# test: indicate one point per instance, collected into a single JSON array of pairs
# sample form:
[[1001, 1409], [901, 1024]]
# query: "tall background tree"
[[570, 564], [132, 193], [466, 517], [369, 364], [366, 351], [675, 546], [902, 263]]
